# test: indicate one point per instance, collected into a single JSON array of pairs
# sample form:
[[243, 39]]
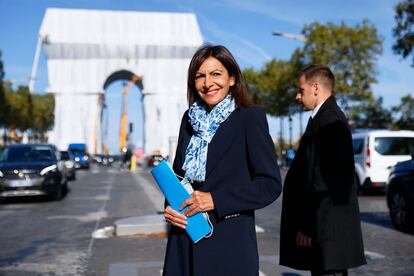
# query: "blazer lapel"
[[221, 141]]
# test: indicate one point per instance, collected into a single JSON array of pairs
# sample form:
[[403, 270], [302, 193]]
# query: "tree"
[[43, 113], [4, 108], [405, 110], [404, 29], [370, 114], [273, 88], [351, 53], [20, 107]]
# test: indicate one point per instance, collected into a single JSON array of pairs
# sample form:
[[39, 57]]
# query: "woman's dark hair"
[[238, 90]]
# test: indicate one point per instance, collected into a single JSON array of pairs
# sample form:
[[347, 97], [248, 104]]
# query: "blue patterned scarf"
[[205, 125]]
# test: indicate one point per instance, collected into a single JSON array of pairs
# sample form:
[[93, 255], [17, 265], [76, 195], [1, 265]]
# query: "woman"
[[226, 154]]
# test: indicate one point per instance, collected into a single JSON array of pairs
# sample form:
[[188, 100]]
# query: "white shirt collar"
[[316, 109]]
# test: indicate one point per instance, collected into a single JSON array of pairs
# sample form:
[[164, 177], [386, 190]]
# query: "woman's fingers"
[[199, 202], [186, 202], [175, 218]]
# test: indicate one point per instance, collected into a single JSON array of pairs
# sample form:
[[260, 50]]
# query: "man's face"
[[307, 94]]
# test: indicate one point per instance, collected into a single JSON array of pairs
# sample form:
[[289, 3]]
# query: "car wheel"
[[398, 210], [58, 194]]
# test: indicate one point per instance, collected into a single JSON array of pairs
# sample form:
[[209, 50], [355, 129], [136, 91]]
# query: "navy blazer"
[[242, 175]]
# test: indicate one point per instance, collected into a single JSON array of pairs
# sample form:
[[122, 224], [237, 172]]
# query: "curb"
[[141, 225]]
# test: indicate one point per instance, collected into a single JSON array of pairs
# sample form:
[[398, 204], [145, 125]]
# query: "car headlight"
[[48, 169], [85, 157], [69, 164], [1, 174], [77, 159]]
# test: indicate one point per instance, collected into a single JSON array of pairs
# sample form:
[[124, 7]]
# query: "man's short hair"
[[320, 73]]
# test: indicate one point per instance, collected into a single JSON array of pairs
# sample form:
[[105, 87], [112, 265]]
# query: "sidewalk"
[[134, 198], [147, 225]]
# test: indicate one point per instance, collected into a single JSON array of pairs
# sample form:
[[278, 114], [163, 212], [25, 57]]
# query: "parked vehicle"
[[31, 170], [69, 163], [400, 195], [376, 152], [103, 159], [81, 155], [154, 160]]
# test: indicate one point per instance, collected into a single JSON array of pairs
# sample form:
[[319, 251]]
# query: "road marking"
[[373, 255], [101, 210], [92, 216], [259, 229], [131, 269], [103, 233]]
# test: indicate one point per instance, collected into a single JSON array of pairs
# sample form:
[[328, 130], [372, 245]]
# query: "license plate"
[[20, 183]]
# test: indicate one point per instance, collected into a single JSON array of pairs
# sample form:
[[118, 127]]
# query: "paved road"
[[39, 237]]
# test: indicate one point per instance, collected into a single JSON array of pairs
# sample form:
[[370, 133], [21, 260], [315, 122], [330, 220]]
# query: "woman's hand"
[[198, 202], [175, 218]]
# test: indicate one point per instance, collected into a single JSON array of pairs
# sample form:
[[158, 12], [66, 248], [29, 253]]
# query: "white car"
[[376, 152]]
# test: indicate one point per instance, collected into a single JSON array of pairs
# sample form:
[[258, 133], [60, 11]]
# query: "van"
[[376, 152], [80, 154]]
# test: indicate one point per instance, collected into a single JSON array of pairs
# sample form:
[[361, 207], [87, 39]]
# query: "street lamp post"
[[297, 37], [300, 38]]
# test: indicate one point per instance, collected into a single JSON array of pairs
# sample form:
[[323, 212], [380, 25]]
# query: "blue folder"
[[175, 193]]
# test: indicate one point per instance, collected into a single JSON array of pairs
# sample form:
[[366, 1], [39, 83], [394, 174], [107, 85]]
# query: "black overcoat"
[[319, 197], [242, 175]]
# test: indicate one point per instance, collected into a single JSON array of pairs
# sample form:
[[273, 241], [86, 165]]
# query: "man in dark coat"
[[320, 225]]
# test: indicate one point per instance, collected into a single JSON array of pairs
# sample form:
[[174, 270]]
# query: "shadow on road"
[[378, 218]]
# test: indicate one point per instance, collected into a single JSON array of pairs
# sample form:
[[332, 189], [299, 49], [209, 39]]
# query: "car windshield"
[[64, 155], [77, 151], [27, 153], [394, 145]]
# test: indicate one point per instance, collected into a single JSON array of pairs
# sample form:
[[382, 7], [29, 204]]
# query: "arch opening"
[[122, 113]]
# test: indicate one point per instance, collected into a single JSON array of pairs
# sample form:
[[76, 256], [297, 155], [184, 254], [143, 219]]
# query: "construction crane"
[[124, 113]]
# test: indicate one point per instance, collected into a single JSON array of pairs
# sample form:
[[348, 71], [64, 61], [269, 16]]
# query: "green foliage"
[[4, 108], [43, 113], [370, 114], [350, 52], [20, 112], [405, 110], [1, 68], [30, 111], [404, 29], [273, 87]]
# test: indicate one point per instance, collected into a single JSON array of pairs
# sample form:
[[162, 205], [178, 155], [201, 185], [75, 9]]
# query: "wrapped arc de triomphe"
[[86, 49]]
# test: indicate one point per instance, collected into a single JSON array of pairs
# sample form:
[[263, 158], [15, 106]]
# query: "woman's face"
[[212, 81]]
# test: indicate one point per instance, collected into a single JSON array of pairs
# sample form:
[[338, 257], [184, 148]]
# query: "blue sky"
[[244, 26]]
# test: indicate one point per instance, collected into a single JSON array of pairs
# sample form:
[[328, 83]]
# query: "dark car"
[[400, 195], [69, 163], [31, 170]]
